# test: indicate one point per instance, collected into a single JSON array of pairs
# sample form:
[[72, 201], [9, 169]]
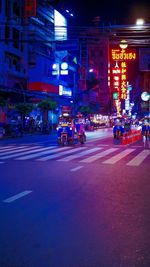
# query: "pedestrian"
[[146, 134]]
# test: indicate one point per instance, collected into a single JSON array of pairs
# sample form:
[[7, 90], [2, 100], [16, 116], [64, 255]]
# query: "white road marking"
[[9, 150], [34, 151], [79, 154], [60, 154], [3, 148], [15, 153], [1, 162], [136, 146], [103, 145], [31, 156], [76, 169], [119, 156], [99, 155], [136, 161], [15, 197]]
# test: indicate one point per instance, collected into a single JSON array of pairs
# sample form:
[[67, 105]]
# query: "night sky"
[[114, 12]]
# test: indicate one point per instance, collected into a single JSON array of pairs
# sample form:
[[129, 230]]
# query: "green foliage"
[[24, 108], [2, 103], [47, 104], [85, 110], [91, 109]]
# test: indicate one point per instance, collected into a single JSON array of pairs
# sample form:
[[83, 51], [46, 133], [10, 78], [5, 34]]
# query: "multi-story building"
[[93, 80], [14, 53], [29, 51], [47, 33]]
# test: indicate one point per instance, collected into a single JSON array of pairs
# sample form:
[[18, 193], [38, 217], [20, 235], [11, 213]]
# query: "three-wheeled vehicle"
[[70, 131], [65, 131]]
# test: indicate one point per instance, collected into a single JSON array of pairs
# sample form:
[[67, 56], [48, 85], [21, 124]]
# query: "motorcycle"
[[81, 137]]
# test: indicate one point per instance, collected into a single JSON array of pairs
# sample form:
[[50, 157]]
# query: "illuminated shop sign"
[[116, 80], [64, 91], [60, 24], [119, 73], [123, 80], [122, 54], [30, 8], [61, 69]]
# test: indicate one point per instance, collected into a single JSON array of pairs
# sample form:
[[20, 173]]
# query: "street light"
[[123, 44], [140, 22]]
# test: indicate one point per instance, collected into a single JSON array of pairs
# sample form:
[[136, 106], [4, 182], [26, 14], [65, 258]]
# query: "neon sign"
[[30, 8], [122, 54]]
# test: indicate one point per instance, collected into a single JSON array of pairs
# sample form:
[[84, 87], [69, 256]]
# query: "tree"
[[2, 103], [46, 105], [24, 109]]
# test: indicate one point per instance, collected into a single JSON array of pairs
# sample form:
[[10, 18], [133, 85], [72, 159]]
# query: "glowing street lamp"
[[140, 22], [123, 44]]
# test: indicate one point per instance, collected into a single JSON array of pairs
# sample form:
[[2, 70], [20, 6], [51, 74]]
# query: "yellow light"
[[123, 44]]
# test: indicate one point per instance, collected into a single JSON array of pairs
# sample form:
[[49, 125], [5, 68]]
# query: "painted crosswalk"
[[106, 155], [136, 161], [119, 156]]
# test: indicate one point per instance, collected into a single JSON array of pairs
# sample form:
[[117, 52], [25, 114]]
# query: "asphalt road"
[[81, 206]]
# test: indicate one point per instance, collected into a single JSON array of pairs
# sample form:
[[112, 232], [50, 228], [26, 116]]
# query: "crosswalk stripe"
[[3, 148], [99, 155], [136, 161], [119, 156], [79, 154], [61, 154], [31, 156], [34, 151], [8, 150], [14, 154]]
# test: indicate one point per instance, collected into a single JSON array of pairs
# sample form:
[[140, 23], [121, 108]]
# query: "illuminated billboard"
[[118, 70], [60, 23], [122, 54]]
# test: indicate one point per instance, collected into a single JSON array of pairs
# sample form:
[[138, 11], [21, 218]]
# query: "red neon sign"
[[30, 8]]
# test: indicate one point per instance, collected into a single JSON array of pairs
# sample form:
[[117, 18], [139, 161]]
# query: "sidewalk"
[[28, 136]]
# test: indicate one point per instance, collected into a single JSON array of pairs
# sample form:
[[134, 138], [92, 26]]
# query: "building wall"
[[13, 61]]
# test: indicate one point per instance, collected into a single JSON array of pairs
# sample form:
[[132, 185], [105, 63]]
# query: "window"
[[0, 6], [7, 34], [16, 10], [7, 8], [15, 36]]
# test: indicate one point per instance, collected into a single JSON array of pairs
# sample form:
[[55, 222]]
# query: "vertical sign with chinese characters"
[[118, 68], [123, 80], [30, 8]]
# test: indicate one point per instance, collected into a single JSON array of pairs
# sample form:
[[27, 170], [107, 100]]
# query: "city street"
[[74, 206]]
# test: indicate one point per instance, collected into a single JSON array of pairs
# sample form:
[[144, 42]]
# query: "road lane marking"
[[1, 162], [119, 156], [50, 151], [15, 153], [9, 150], [61, 154], [99, 155], [15, 197], [79, 154], [76, 169], [136, 161]]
